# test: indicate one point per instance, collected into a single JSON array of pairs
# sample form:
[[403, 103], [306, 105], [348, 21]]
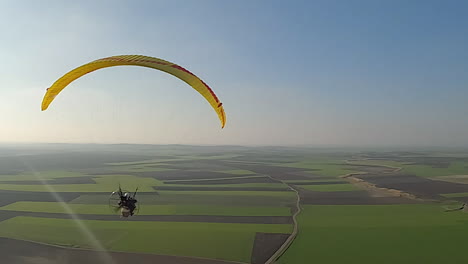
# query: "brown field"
[[265, 245], [278, 172], [348, 198], [317, 183], [67, 180], [463, 199], [25, 252], [301, 175], [227, 181], [266, 169], [160, 218], [421, 187], [7, 215], [195, 199], [8, 197], [183, 175], [369, 168], [214, 188], [210, 164], [295, 176]]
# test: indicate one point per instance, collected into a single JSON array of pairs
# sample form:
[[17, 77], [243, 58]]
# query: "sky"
[[288, 72]]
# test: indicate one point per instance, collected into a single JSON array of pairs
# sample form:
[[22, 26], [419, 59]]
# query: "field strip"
[[216, 179], [395, 169], [165, 218], [201, 259]]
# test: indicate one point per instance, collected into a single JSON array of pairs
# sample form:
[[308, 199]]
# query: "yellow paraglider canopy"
[[137, 60]]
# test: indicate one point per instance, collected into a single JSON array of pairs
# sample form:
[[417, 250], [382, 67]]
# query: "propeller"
[[134, 194], [120, 190]]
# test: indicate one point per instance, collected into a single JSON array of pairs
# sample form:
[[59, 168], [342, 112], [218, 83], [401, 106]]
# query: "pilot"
[[129, 202]]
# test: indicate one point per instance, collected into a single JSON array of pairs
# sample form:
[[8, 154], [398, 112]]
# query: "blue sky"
[[288, 72]]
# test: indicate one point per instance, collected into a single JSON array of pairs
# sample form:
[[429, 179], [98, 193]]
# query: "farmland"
[[222, 204], [331, 187], [419, 233], [57, 207], [209, 240]]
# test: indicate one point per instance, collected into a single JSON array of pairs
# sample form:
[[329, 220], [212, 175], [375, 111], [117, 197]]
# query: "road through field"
[[293, 235], [298, 209]]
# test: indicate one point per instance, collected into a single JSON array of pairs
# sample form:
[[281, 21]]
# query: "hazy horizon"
[[323, 147], [296, 73]]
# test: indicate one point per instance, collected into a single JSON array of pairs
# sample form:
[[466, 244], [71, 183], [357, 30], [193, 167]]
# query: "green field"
[[327, 233], [233, 185], [104, 183], [388, 163], [455, 168], [152, 162], [331, 187], [237, 172], [231, 193], [43, 175], [139, 168], [151, 209], [208, 240], [312, 180], [332, 168], [453, 178], [216, 179], [227, 198], [454, 195], [379, 234]]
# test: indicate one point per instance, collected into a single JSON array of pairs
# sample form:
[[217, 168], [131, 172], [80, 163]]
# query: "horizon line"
[[305, 146]]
